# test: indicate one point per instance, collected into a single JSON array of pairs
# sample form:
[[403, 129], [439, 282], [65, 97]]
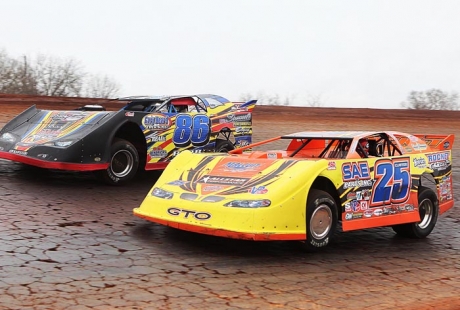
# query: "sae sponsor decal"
[[156, 121], [356, 174], [355, 171]]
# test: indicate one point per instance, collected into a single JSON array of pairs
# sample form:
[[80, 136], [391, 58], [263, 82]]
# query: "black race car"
[[147, 133]]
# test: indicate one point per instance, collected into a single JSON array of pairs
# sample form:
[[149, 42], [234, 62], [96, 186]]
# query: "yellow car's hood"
[[229, 175]]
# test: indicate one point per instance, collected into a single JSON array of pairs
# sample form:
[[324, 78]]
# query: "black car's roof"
[[163, 98]]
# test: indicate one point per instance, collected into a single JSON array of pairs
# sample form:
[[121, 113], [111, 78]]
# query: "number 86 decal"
[[193, 130], [392, 181]]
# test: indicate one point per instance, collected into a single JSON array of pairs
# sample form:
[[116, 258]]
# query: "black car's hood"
[[43, 127]]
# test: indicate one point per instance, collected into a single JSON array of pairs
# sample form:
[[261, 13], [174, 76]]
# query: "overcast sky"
[[347, 53]]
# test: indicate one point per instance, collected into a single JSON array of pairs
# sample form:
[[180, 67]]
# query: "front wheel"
[[123, 164], [223, 146], [321, 219], [428, 207]]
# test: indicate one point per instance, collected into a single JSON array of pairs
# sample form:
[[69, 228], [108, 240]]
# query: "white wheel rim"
[[321, 221], [122, 163], [426, 213]]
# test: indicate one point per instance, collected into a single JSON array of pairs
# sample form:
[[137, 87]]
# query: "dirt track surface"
[[68, 242]]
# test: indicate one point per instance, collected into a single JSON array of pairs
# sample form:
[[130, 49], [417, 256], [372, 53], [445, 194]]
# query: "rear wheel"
[[123, 164], [428, 208], [224, 146], [321, 219]]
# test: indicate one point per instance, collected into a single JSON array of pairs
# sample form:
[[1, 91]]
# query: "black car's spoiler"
[[21, 118]]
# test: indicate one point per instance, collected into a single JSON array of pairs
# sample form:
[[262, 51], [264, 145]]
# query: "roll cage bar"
[[379, 144]]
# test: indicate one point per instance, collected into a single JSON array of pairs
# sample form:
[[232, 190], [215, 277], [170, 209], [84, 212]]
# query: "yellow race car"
[[301, 192]]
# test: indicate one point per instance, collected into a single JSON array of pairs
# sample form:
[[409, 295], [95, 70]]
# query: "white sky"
[[348, 53]]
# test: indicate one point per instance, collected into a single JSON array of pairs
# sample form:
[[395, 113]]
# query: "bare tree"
[[51, 76], [98, 86], [58, 77], [314, 101], [432, 99], [264, 99], [16, 76]]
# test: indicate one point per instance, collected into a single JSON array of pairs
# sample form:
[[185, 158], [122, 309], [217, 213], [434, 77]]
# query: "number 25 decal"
[[191, 129], [392, 181]]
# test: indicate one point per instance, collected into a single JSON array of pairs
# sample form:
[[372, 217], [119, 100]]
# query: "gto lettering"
[[201, 216]]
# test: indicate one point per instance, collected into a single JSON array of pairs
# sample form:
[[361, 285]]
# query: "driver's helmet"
[[365, 145]]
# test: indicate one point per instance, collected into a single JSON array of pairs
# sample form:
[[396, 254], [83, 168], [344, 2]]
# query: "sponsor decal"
[[364, 205], [242, 143], [368, 213], [419, 162], [157, 152], [357, 215], [212, 188], [354, 205], [378, 212], [409, 207], [390, 210], [201, 216], [67, 116], [129, 114], [235, 166], [239, 118], [438, 161], [366, 194], [348, 216], [358, 183], [347, 206], [177, 183], [242, 130], [272, 156], [213, 179], [242, 124], [446, 145], [258, 190], [156, 121], [155, 137], [439, 165], [42, 156], [419, 146], [444, 156], [351, 195], [355, 171], [18, 152], [331, 165]]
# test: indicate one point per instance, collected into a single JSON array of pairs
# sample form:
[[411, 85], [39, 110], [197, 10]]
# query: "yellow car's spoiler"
[[438, 142]]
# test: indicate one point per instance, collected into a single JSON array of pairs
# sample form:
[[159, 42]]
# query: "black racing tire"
[[223, 146], [321, 220], [428, 207], [123, 163]]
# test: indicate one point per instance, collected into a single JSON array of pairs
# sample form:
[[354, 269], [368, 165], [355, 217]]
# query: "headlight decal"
[[250, 204], [161, 193]]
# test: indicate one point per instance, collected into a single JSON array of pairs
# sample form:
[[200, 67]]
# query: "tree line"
[[46, 75], [53, 76], [431, 99]]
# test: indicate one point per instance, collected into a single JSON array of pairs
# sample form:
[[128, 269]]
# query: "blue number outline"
[[195, 130], [392, 181]]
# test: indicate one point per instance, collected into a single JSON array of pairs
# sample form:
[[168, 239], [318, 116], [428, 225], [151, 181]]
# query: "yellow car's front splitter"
[[230, 231]]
